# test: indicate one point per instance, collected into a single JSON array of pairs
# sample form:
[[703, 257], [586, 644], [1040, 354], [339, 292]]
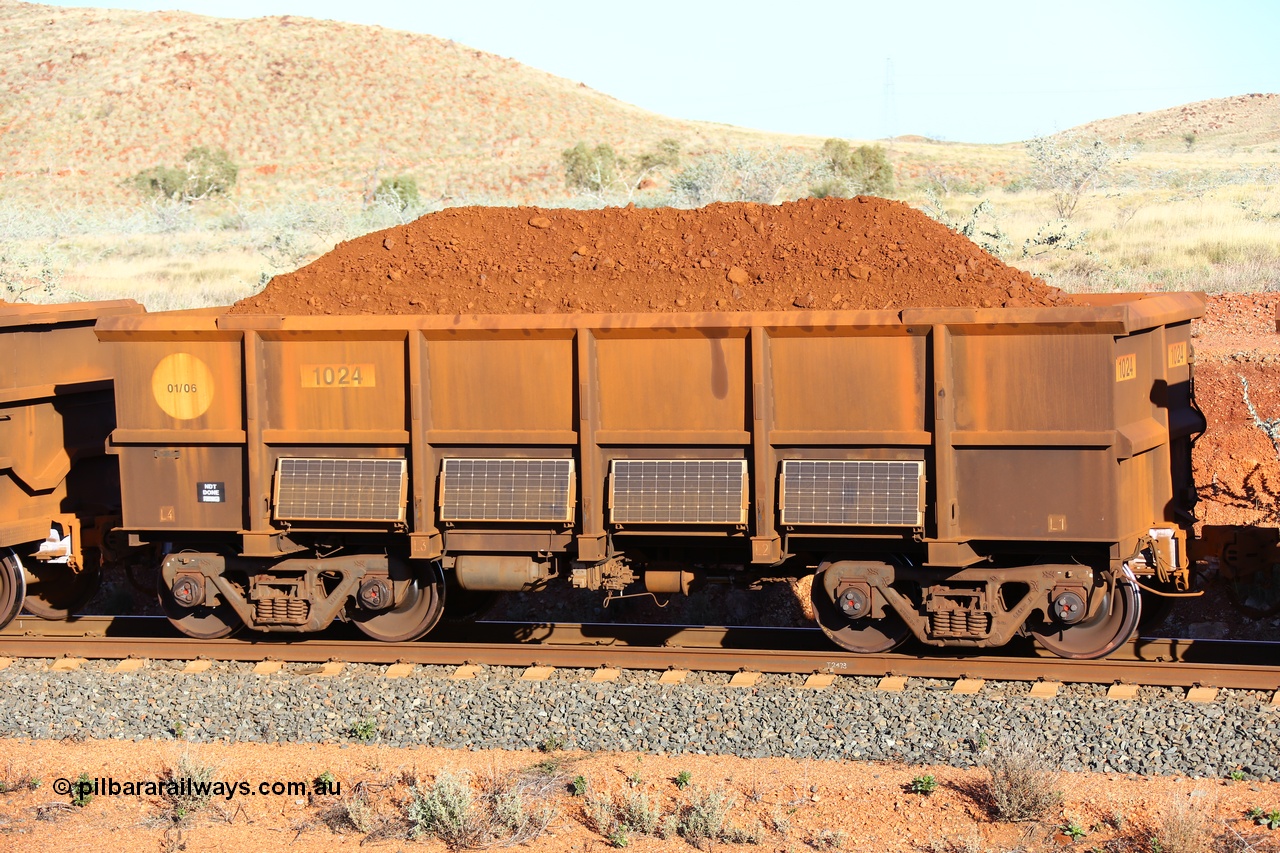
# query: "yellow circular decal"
[[183, 386]]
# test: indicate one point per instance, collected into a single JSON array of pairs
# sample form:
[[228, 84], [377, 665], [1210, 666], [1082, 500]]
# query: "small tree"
[[666, 156], [162, 181], [590, 169], [602, 174], [400, 192], [1069, 166], [204, 172], [864, 170], [210, 172]]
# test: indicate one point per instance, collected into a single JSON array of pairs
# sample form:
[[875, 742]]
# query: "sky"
[[993, 71]]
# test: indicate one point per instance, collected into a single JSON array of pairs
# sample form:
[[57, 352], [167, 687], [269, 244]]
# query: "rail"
[[1160, 662]]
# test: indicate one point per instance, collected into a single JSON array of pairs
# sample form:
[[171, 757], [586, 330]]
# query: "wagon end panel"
[[1032, 433], [180, 434]]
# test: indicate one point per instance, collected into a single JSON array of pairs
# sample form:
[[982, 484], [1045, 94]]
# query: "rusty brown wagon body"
[[56, 481], [956, 474]]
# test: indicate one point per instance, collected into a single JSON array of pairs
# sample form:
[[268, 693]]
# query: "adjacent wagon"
[[58, 488]]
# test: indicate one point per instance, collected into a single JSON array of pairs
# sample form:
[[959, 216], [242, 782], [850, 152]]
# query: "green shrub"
[[864, 170], [364, 730], [831, 188], [204, 172], [210, 172], [590, 169], [326, 783], [667, 155], [161, 181], [924, 785], [400, 192], [82, 793]]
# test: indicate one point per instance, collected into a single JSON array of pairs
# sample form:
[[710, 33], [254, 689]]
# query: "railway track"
[[1144, 661]]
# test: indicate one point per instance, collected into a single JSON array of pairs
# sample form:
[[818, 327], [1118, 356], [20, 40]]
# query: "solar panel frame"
[[852, 492], [511, 489], [340, 489], [678, 491]]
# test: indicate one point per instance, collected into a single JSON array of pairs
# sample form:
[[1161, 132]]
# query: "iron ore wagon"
[[957, 475]]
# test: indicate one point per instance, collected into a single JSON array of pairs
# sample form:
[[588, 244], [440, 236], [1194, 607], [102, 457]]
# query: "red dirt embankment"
[[1237, 468], [862, 253]]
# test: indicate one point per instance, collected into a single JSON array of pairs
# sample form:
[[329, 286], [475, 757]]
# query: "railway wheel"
[[866, 635], [417, 613], [13, 586], [204, 622], [1099, 636], [55, 590]]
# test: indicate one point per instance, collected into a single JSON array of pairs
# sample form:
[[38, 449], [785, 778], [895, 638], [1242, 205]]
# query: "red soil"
[[863, 253], [1236, 466]]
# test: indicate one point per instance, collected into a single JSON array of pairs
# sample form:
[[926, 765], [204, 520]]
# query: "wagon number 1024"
[[338, 376]]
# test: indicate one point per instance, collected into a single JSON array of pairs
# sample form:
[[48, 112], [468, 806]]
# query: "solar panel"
[[678, 491], [340, 489], [507, 490], [858, 492]]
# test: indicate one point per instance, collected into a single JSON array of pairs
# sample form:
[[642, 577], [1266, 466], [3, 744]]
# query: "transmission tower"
[[890, 103]]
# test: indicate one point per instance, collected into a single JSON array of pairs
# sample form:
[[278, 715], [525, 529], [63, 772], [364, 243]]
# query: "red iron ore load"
[[854, 254]]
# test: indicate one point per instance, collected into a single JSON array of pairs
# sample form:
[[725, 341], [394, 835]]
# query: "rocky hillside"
[[1244, 121], [89, 97]]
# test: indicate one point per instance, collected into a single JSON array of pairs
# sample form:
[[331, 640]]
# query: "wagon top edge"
[[1112, 313], [29, 314]]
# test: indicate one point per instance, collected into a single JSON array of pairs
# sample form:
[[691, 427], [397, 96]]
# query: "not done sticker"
[[211, 493]]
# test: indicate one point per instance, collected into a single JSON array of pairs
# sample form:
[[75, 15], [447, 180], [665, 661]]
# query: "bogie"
[[211, 595], [1071, 609]]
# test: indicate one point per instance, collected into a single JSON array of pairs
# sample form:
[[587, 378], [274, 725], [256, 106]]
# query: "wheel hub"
[[375, 594], [855, 603], [1069, 608], [188, 591]]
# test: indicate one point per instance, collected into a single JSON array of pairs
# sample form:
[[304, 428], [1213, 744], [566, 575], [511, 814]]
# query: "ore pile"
[[822, 254]]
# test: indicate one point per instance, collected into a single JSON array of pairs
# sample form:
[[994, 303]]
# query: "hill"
[[90, 97], [1241, 121]]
